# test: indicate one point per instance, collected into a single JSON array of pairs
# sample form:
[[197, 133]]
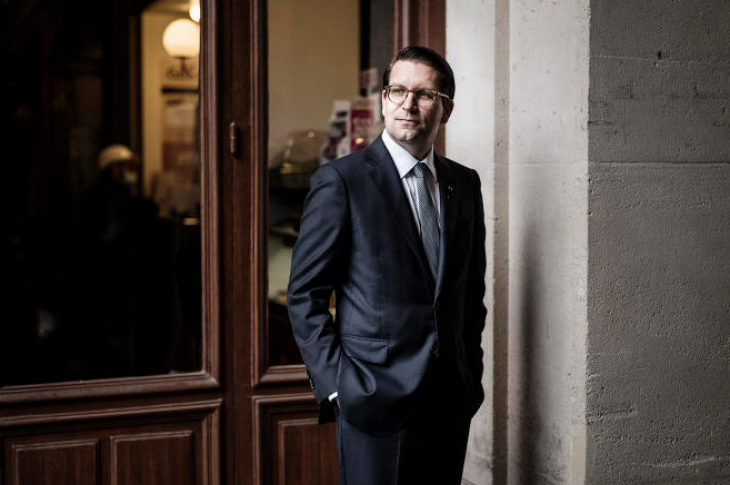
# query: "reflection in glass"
[[100, 225], [321, 107]]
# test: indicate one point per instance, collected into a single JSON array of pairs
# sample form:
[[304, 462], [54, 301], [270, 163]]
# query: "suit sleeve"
[[319, 263], [476, 311]]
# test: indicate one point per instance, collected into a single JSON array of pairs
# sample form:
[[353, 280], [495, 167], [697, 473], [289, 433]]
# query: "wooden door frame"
[[421, 22]]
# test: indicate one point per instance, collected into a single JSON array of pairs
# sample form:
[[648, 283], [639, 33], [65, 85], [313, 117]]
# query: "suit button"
[[435, 350]]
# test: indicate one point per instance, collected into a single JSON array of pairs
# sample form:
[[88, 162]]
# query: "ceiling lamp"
[[181, 39], [195, 10]]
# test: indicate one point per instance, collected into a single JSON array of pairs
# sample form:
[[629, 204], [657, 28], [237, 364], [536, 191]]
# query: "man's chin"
[[405, 135]]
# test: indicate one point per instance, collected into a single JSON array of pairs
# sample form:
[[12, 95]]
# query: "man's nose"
[[410, 102]]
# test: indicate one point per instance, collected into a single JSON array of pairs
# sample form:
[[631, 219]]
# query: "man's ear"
[[448, 108], [383, 100]]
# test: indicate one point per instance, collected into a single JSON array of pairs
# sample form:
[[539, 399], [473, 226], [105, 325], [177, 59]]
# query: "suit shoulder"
[[349, 165], [461, 171]]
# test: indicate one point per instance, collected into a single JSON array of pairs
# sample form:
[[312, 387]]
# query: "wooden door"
[[99, 382], [110, 328], [277, 439]]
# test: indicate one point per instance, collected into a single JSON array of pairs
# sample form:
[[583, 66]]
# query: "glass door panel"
[[100, 263], [325, 59]]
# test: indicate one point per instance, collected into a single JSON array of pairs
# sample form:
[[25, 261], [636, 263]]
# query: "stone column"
[[601, 129], [659, 242]]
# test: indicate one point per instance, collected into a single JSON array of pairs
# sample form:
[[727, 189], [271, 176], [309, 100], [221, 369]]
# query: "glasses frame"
[[415, 94]]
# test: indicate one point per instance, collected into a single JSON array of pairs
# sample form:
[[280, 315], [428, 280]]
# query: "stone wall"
[[659, 242], [601, 129]]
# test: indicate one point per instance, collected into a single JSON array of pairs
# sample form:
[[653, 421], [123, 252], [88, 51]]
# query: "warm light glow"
[[195, 10], [181, 39]]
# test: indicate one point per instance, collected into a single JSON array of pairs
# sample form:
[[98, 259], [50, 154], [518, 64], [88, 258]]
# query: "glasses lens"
[[397, 94], [425, 98]]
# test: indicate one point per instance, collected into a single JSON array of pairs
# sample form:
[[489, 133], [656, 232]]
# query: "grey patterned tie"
[[427, 217]]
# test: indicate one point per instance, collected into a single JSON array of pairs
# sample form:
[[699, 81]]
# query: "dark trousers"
[[429, 450]]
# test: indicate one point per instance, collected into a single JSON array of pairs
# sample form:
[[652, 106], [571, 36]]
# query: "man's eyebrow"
[[414, 89]]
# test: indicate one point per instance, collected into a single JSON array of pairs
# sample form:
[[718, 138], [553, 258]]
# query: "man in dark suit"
[[397, 232]]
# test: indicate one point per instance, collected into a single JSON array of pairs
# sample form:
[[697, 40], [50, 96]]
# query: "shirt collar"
[[404, 161]]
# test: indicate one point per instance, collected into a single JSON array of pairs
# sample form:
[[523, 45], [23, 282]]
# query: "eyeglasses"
[[424, 97]]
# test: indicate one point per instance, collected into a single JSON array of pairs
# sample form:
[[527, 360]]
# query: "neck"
[[419, 151]]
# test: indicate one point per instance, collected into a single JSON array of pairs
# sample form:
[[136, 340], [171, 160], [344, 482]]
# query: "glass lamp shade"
[[181, 38], [195, 11]]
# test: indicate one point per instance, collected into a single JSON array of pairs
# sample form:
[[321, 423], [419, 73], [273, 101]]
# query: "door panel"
[[305, 452], [135, 445], [162, 457], [292, 448], [55, 461]]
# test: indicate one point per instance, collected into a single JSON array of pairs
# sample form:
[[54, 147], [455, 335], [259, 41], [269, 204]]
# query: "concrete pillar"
[[548, 250], [472, 134], [601, 129], [524, 69], [659, 242]]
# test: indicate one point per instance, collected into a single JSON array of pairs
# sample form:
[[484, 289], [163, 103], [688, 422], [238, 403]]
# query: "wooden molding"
[[77, 415], [262, 372], [210, 189], [259, 200], [283, 374], [58, 391]]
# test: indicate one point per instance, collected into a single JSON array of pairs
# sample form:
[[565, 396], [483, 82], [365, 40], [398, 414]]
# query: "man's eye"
[[397, 91], [425, 95]]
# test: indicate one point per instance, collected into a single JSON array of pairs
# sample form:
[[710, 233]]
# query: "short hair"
[[432, 59]]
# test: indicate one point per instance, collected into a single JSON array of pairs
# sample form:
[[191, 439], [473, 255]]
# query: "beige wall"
[[314, 58]]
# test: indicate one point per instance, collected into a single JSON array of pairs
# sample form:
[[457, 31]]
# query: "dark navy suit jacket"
[[358, 239]]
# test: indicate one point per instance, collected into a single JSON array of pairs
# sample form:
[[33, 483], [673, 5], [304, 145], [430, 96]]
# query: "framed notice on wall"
[[178, 188]]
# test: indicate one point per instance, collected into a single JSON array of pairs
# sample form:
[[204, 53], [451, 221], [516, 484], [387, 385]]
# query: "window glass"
[[100, 228], [324, 102]]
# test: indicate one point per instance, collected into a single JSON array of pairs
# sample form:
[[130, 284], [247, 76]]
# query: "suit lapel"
[[385, 177], [450, 199]]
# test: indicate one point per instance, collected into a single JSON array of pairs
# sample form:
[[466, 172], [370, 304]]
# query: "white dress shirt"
[[404, 163]]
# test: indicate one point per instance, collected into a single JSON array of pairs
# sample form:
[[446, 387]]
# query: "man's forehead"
[[408, 69]]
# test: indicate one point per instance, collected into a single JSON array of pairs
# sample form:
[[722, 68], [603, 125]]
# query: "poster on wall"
[[178, 187]]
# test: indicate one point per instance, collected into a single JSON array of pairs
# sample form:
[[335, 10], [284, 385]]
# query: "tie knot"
[[420, 170]]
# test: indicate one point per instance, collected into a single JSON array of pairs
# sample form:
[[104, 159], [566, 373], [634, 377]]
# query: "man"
[[397, 232]]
